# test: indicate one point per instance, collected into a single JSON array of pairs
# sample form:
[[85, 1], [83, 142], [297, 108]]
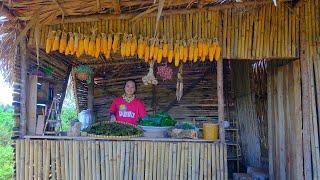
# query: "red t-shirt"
[[128, 112]]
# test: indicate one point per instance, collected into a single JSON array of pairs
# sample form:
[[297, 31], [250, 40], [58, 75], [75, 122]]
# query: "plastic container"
[[210, 131], [154, 131]]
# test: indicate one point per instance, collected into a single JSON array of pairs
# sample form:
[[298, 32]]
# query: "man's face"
[[130, 88]]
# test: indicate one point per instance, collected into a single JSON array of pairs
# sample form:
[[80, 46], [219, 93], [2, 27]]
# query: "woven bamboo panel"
[[67, 159]]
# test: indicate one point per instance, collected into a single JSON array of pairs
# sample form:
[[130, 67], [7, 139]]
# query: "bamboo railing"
[[89, 159]]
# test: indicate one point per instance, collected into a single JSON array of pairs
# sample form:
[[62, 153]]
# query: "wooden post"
[[220, 90], [23, 111], [306, 109], [90, 98]]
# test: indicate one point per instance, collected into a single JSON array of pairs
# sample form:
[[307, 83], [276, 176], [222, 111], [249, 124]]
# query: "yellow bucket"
[[210, 131]]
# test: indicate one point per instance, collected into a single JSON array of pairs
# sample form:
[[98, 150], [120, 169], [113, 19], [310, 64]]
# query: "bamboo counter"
[[41, 157]]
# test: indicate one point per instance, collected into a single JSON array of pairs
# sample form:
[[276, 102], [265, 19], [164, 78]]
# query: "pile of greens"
[[185, 126], [160, 119], [114, 129]]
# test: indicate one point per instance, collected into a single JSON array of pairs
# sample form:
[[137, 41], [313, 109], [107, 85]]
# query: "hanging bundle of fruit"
[[56, 41], [49, 41], [63, 42], [150, 78], [164, 72]]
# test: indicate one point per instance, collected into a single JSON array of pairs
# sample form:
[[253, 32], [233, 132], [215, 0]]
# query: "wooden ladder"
[[53, 122]]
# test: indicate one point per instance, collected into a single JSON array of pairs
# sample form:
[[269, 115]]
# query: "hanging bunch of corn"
[[185, 51], [63, 42], [70, 46], [76, 43], [115, 43], [147, 51], [109, 47], [205, 50], [141, 47], [97, 46], [128, 45], [49, 41], [80, 50], [92, 43], [212, 50], [177, 53], [56, 41], [195, 52], [160, 53], [123, 46], [170, 51], [217, 53], [200, 48], [191, 50], [151, 52], [165, 48], [104, 43], [133, 46], [156, 50]]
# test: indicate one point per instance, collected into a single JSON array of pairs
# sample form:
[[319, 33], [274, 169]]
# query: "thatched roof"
[[21, 15]]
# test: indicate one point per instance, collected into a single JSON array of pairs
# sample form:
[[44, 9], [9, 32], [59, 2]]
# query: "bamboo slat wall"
[[254, 33], [73, 159], [285, 122]]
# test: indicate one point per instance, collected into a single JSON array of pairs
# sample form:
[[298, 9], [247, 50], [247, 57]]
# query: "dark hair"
[[132, 80]]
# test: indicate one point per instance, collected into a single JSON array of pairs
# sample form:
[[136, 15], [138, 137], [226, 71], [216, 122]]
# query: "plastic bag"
[[85, 118]]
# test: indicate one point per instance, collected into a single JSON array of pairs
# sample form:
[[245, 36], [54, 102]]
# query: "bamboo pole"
[[170, 161], [209, 161], [18, 160], [126, 163], [182, 160], [201, 162], [193, 166], [205, 161], [217, 158], [122, 159], [189, 163], [174, 161], [66, 159], [90, 173], [103, 162], [111, 160], [131, 161], [178, 160], [166, 159], [62, 159], [197, 167], [161, 160], [135, 159], [213, 158], [147, 169], [151, 160], [93, 160], [106, 159], [27, 159], [58, 163], [53, 159], [35, 160]]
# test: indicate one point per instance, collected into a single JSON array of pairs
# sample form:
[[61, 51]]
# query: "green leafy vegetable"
[[160, 119], [114, 129]]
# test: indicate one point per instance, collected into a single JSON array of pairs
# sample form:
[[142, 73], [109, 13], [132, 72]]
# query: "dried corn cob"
[[133, 46], [49, 41], [212, 50], [86, 44], [123, 46], [109, 42], [81, 46], [92, 42], [160, 53], [97, 46], [127, 46], [185, 52], [115, 44], [165, 49], [156, 50], [56, 41], [147, 53], [104, 43], [171, 52], [177, 54], [195, 54], [141, 48], [181, 50], [191, 50], [151, 52], [63, 42], [217, 53], [70, 45], [76, 43]]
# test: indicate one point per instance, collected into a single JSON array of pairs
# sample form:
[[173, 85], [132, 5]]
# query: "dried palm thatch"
[[8, 52]]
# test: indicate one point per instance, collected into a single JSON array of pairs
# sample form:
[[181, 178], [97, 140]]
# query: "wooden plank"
[[32, 104], [24, 93], [281, 121], [217, 156], [18, 161], [53, 159], [111, 159], [270, 130], [139, 163], [40, 125], [90, 172], [115, 159]]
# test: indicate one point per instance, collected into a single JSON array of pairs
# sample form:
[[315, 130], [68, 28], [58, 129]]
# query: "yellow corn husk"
[[127, 46], [92, 43], [63, 42], [170, 56], [200, 48], [67, 51], [185, 54], [147, 53], [217, 53], [181, 51], [159, 56], [123, 48], [133, 46], [104, 43], [97, 47], [191, 50], [49, 41], [107, 54], [56, 41], [206, 49], [70, 45], [81, 46], [151, 52], [177, 54], [156, 50], [109, 42], [86, 44], [76, 43], [141, 48], [212, 50], [195, 54], [115, 44], [165, 50]]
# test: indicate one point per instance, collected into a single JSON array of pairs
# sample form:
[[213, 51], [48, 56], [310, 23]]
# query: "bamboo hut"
[[265, 83]]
